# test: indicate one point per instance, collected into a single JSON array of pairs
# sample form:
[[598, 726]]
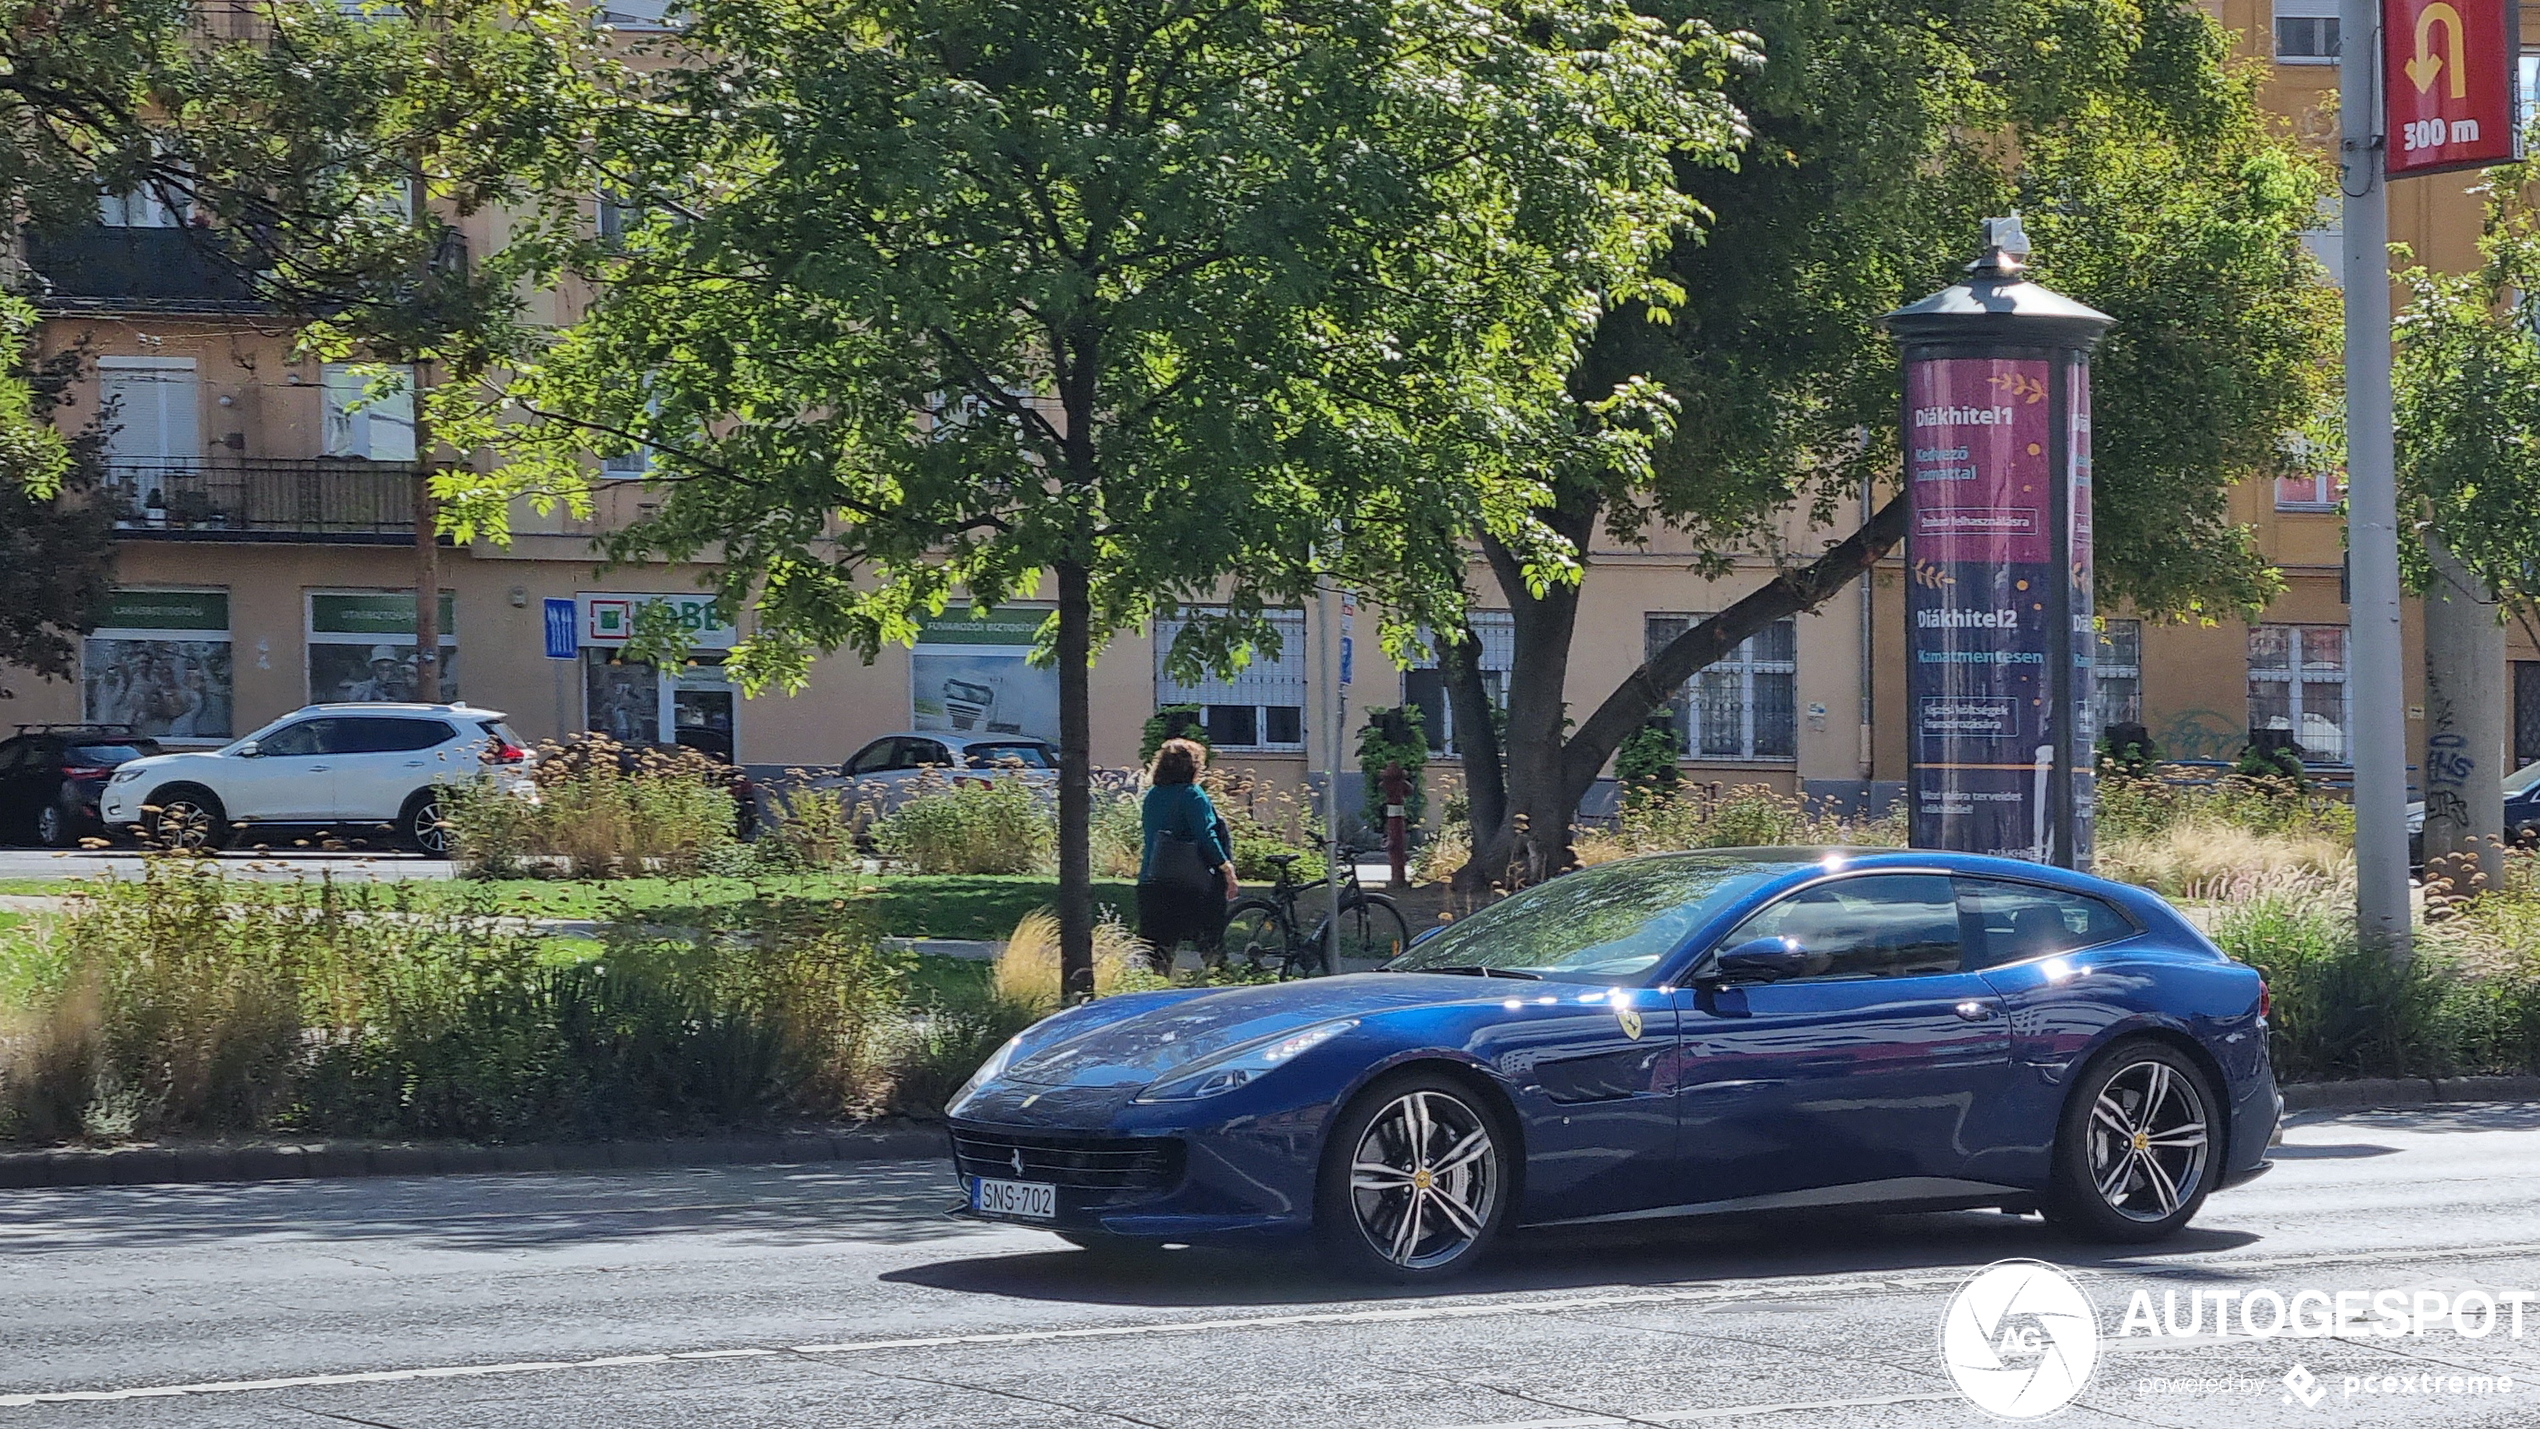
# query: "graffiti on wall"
[[2200, 734]]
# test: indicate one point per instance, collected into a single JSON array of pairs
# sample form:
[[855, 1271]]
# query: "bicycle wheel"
[[1257, 932], [1373, 932]]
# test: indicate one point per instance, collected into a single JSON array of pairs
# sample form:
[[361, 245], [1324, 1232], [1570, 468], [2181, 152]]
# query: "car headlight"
[[989, 1071], [126, 776], [1223, 1074]]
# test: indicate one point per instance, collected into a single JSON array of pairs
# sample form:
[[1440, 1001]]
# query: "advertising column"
[[1999, 627]]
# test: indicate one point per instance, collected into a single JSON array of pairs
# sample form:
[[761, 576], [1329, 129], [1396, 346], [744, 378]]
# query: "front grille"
[[1101, 1163]]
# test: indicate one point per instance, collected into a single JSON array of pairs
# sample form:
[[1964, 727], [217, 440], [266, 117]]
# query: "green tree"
[[2154, 191], [2467, 374], [57, 554], [947, 301]]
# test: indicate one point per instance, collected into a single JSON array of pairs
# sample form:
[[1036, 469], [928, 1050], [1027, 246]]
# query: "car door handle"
[[1974, 1011], [320, 768], [414, 764]]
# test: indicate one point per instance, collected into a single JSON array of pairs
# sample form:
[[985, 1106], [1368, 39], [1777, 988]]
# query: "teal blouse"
[[1181, 810]]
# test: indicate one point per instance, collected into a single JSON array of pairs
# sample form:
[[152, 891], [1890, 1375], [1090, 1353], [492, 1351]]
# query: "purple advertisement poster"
[[1983, 566]]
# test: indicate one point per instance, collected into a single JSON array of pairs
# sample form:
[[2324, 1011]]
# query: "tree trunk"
[[2465, 754], [1547, 774], [1485, 778], [1075, 782]]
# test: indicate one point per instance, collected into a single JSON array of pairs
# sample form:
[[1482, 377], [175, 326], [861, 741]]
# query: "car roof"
[[1805, 861], [376, 707], [957, 739]]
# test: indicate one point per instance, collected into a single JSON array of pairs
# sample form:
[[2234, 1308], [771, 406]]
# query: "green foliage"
[[1171, 722], [2467, 380], [2258, 804], [57, 554], [2132, 760], [1747, 816], [973, 826], [604, 810], [2279, 765], [1394, 735], [1647, 763]]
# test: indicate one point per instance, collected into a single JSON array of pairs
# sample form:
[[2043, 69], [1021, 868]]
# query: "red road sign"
[[2447, 84]]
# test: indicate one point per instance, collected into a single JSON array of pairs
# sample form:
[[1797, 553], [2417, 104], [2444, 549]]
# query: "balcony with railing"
[[342, 500], [102, 269]]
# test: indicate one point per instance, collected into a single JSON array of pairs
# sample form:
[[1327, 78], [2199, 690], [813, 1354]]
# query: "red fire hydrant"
[[1397, 836]]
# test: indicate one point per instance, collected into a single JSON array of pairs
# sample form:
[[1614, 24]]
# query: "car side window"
[[918, 753], [876, 757], [309, 736], [1875, 925], [2013, 922], [374, 734]]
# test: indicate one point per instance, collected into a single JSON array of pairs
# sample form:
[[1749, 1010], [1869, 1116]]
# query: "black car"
[[51, 775]]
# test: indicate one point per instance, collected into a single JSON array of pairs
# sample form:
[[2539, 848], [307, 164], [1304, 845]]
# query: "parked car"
[[2522, 814], [1676, 1035], [51, 776], [889, 771], [342, 768]]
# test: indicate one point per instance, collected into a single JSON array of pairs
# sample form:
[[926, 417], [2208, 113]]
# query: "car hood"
[[180, 760], [1174, 1033]]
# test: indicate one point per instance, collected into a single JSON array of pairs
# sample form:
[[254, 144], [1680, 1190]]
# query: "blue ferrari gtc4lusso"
[[1682, 1034]]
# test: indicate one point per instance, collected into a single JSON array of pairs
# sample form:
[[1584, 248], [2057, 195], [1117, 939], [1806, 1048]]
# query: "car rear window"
[[989, 756], [107, 753]]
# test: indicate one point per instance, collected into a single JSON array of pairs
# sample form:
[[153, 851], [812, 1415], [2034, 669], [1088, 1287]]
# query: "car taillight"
[[506, 752], [2266, 1000], [87, 771]]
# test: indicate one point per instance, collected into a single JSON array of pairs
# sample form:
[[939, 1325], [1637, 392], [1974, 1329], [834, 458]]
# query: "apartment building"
[[267, 560]]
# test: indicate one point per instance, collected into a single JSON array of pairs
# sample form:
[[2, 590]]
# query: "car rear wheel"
[[186, 816], [2139, 1145], [53, 827], [423, 825], [1415, 1182]]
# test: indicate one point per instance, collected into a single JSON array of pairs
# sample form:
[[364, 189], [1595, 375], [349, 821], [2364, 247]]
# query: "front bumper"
[[1158, 1171]]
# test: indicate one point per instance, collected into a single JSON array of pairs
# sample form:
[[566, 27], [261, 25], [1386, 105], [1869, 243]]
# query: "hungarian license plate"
[[1029, 1200]]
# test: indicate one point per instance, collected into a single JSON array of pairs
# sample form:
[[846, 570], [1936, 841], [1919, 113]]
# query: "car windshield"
[[1612, 920], [2521, 780], [990, 756]]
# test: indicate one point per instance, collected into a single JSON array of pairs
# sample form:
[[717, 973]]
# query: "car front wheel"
[[186, 817], [1416, 1180], [2139, 1145]]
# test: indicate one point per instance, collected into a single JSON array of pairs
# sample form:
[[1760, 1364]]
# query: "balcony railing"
[[125, 269], [339, 499]]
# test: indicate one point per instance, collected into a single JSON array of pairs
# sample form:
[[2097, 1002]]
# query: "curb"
[[162, 1165], [2408, 1091]]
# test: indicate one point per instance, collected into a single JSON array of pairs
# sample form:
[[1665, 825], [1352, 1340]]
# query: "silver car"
[[895, 768]]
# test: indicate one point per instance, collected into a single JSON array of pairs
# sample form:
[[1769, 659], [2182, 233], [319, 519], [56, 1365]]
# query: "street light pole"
[[2372, 512]]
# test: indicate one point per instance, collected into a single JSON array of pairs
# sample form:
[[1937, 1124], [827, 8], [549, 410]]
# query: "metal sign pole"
[[2372, 518]]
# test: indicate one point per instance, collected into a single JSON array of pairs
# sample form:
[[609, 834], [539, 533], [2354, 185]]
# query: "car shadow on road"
[[1675, 1256]]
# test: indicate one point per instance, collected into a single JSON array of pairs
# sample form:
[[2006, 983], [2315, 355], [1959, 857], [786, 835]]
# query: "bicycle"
[[1262, 929]]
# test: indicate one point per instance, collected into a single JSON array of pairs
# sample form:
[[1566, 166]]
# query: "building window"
[[2117, 677], [2297, 683], [136, 208], [1424, 684], [2308, 484], [370, 411], [2306, 32], [159, 662], [1262, 707], [362, 647], [1741, 707]]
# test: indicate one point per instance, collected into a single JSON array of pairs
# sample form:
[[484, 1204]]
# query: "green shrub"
[[973, 826], [604, 810], [1747, 816], [1396, 735], [1647, 762], [1171, 722]]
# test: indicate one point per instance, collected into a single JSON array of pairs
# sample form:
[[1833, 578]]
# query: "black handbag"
[[1179, 866]]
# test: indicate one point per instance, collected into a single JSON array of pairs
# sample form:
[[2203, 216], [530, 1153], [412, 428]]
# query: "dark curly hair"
[[1177, 761]]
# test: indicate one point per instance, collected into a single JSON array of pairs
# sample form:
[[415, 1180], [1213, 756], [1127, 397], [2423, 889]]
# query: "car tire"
[[54, 828], [421, 825], [186, 816], [1418, 1177], [2139, 1146]]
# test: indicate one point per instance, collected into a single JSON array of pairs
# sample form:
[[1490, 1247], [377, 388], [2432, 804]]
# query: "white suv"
[[336, 768]]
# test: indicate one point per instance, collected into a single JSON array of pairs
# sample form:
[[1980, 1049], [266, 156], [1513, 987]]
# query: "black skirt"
[[1169, 917]]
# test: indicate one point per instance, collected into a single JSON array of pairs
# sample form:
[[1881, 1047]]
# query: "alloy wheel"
[[185, 824], [52, 826], [1423, 1179], [2148, 1141], [431, 835]]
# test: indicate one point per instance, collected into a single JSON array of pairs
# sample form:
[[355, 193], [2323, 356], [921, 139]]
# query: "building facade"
[[267, 560]]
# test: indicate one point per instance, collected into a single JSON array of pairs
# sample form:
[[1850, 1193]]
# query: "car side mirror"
[[246, 751], [1762, 960]]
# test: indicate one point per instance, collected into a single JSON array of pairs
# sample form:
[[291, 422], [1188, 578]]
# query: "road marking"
[[1726, 1411], [1790, 1287]]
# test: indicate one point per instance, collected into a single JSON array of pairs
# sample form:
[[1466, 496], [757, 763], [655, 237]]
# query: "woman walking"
[[1186, 875]]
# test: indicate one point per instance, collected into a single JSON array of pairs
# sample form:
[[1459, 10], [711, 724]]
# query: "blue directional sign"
[[563, 640]]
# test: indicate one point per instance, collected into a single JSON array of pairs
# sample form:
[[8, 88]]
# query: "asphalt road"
[[841, 1296]]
